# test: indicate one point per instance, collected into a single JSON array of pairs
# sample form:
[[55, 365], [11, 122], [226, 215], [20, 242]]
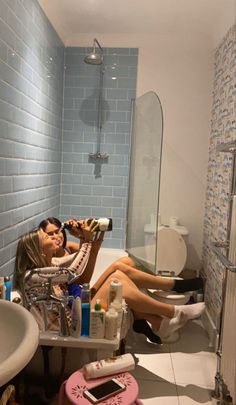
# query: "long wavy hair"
[[54, 221], [28, 256]]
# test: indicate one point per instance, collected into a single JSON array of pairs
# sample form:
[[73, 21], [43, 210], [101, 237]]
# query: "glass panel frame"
[[144, 180]]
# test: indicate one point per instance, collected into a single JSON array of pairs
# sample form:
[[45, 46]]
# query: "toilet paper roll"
[[173, 221]]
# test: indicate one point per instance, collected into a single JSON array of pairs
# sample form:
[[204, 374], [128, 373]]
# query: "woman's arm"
[[96, 244], [90, 242], [80, 261]]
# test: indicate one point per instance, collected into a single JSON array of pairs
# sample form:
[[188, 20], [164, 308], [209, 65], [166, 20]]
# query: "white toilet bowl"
[[171, 259]]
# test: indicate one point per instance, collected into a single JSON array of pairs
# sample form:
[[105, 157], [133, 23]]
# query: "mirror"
[[144, 181]]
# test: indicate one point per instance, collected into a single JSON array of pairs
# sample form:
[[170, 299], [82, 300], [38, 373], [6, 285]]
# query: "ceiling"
[[72, 18]]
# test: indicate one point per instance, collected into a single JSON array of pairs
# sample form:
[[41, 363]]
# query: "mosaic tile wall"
[[98, 189], [223, 129]]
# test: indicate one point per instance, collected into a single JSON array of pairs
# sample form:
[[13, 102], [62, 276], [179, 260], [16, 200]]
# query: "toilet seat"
[[171, 251], [171, 259]]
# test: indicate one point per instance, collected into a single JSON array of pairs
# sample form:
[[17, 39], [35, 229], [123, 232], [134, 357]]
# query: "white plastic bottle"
[[125, 325], [111, 365], [76, 318], [111, 324], [117, 305], [115, 291], [97, 321]]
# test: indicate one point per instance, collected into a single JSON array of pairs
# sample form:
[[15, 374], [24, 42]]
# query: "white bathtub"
[[145, 256], [105, 258]]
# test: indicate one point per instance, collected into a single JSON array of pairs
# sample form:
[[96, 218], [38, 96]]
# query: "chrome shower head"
[[94, 58]]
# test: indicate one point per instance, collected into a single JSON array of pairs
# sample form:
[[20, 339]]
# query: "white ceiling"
[[72, 18]]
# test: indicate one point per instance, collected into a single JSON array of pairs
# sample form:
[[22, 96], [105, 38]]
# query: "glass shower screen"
[[144, 180]]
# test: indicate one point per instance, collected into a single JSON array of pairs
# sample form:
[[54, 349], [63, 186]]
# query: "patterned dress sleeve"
[[81, 259], [75, 262]]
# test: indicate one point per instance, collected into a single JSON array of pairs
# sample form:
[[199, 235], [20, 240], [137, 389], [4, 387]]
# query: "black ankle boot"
[[141, 326], [191, 284]]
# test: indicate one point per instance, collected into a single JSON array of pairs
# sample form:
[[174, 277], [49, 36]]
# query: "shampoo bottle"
[[111, 324], [76, 318], [115, 291], [85, 305], [109, 366], [97, 321], [117, 305]]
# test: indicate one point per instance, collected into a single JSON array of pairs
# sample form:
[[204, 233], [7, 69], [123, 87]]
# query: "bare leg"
[[127, 260], [145, 280], [136, 300], [169, 318], [139, 278], [154, 320]]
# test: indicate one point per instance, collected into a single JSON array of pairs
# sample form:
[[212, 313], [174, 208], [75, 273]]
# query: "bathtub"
[[144, 256], [105, 258]]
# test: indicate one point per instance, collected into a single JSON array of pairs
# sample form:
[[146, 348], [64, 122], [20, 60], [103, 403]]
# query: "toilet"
[[171, 259]]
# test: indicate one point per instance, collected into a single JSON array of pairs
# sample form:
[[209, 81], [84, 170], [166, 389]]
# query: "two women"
[[38, 249]]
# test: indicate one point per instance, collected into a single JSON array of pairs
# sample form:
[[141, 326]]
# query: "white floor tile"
[[193, 339], [157, 393], [154, 366], [181, 373], [198, 368], [152, 361]]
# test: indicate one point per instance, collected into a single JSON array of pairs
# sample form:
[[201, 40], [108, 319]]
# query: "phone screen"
[[106, 389]]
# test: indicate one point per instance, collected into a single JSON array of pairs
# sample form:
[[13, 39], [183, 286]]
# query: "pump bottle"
[[76, 318], [111, 324], [97, 321]]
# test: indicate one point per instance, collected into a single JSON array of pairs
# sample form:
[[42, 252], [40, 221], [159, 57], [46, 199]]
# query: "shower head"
[[94, 58]]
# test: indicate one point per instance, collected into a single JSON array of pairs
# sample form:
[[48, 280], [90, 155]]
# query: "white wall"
[[180, 71]]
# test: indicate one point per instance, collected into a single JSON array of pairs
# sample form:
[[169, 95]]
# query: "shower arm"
[[95, 41]]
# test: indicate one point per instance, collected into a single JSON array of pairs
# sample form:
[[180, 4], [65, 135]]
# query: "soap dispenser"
[[97, 321]]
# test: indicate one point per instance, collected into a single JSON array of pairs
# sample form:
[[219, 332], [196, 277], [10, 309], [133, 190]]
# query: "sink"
[[19, 337]]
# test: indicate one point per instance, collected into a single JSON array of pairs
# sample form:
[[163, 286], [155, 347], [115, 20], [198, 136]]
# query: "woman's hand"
[[97, 240], [74, 230], [87, 230], [82, 229]]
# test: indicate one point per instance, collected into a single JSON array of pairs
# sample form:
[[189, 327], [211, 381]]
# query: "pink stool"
[[76, 384]]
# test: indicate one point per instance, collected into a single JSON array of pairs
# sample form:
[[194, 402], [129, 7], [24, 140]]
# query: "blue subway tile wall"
[[31, 101], [98, 189]]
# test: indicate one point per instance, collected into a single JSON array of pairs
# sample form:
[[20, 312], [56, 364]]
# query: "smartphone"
[[105, 390]]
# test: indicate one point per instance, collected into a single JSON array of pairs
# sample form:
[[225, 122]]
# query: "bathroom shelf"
[[53, 339], [223, 259]]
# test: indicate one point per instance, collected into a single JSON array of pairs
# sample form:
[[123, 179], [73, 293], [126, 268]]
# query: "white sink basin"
[[19, 336]]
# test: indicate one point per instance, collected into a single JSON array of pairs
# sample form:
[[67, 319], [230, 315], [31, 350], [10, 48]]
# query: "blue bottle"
[[8, 283], [85, 306]]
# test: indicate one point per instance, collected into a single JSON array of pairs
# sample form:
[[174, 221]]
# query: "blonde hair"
[[28, 256]]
